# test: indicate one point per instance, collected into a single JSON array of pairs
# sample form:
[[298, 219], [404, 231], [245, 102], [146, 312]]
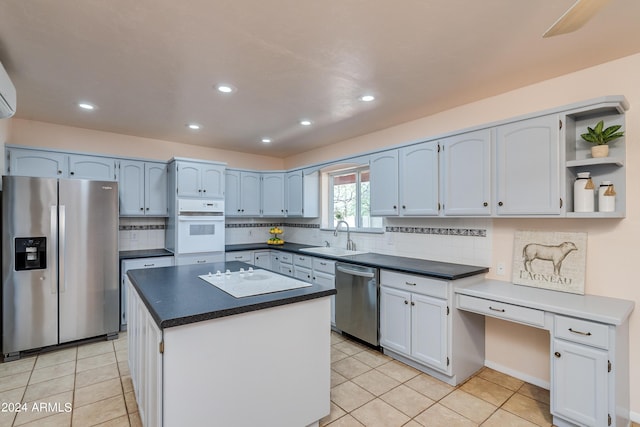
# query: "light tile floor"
[[83, 386], [367, 389]]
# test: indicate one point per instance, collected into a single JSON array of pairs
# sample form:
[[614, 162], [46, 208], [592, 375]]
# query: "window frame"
[[358, 170]]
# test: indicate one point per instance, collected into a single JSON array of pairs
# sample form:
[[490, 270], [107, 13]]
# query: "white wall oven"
[[200, 226]]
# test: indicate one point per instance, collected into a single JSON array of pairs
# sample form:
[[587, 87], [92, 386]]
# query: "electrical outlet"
[[500, 269]]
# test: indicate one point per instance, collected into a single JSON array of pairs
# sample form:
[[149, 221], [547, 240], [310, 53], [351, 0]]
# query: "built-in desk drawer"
[[581, 331], [515, 313], [416, 284]]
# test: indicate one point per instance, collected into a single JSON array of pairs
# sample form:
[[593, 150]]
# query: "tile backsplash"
[[141, 233], [457, 240]]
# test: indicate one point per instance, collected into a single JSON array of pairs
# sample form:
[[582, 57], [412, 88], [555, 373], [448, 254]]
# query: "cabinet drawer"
[[581, 331], [206, 258], [324, 265], [502, 310], [286, 258], [412, 283], [303, 261], [133, 264], [242, 256]]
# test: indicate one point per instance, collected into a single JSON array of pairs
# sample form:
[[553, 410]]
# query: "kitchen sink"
[[330, 251]]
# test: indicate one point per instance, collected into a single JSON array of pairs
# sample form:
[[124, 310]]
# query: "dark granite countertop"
[[441, 270], [177, 296], [144, 253]]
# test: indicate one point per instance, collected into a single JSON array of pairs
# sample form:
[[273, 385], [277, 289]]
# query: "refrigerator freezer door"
[[89, 286], [29, 292]]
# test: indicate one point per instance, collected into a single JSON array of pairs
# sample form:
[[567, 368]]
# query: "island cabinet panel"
[[465, 174], [257, 380], [528, 167]]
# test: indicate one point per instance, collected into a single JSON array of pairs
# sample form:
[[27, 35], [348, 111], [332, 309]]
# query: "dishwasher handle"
[[369, 274]]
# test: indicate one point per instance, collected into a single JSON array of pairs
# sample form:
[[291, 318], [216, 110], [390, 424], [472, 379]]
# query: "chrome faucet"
[[350, 245]]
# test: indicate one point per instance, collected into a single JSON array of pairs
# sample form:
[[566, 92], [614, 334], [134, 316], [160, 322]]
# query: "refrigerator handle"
[[54, 240], [62, 243]]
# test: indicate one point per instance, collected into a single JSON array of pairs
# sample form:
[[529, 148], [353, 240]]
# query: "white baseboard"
[[517, 374], [635, 416]]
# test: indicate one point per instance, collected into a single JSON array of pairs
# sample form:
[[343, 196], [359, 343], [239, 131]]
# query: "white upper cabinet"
[[273, 194], [242, 193], [293, 193], [143, 188], [200, 180], [384, 183], [36, 163], [93, 167], [419, 180], [465, 173], [528, 167]]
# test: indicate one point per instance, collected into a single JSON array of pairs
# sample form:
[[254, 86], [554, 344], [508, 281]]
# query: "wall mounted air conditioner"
[[7, 95]]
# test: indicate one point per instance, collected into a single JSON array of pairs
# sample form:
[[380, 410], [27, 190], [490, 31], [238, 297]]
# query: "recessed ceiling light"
[[266, 140], [194, 126], [86, 106], [367, 98], [225, 88], [305, 122]]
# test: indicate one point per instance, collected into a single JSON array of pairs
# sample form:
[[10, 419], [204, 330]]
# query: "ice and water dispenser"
[[30, 253]]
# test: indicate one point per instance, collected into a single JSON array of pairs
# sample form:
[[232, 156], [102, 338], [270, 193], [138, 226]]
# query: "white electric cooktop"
[[246, 283]]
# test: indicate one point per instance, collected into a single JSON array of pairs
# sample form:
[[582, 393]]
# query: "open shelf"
[[617, 161]]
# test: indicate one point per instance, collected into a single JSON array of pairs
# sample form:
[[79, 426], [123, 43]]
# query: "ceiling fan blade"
[[575, 17]]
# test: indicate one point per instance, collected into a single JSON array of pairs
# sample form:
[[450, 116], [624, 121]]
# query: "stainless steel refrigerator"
[[59, 261]]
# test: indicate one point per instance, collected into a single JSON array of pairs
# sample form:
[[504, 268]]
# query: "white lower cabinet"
[[242, 256], [580, 389], [415, 325], [201, 258], [419, 327], [133, 264], [262, 259], [145, 360]]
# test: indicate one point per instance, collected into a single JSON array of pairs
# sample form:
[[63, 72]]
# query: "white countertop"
[[608, 310], [253, 282]]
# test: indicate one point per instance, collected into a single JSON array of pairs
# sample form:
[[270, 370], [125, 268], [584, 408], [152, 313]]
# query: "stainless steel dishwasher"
[[357, 301]]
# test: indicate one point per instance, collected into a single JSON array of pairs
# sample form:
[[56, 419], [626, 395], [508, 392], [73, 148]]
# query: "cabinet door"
[[419, 180], [527, 170], [293, 193], [250, 194], [262, 259], [579, 383], [232, 193], [92, 167], [302, 273], [155, 189], [395, 320], [273, 194], [213, 181], [466, 173], [286, 269], [153, 413], [41, 164], [384, 183], [189, 176], [131, 187], [429, 331]]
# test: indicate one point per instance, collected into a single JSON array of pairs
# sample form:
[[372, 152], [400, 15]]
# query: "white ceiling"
[[150, 66]]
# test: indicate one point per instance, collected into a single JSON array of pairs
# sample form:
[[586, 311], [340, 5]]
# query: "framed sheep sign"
[[550, 260]]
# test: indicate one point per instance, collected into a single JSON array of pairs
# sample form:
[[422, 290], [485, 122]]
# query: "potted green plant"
[[600, 137]]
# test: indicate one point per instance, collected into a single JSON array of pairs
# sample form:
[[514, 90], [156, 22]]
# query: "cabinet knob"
[[557, 354], [72, 173], [500, 203], [199, 191], [141, 209], [147, 208], [395, 207], [404, 207], [413, 303], [406, 302], [238, 210], [204, 191], [485, 204], [59, 172]]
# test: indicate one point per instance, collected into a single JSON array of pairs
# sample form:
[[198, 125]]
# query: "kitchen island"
[[199, 356]]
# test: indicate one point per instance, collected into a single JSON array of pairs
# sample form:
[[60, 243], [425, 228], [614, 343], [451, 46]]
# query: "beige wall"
[[47, 135], [611, 245], [5, 125]]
